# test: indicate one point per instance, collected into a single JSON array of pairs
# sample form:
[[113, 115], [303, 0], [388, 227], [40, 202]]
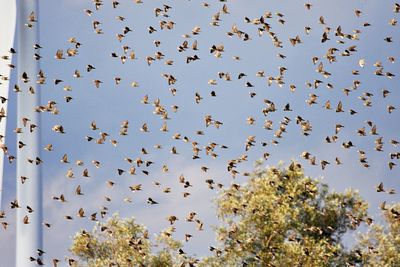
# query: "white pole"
[[8, 14], [29, 193]]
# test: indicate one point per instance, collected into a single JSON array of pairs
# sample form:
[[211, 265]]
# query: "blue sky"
[[112, 104]]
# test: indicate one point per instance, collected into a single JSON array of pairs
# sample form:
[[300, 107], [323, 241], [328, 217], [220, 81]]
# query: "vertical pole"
[[29, 193], [8, 14]]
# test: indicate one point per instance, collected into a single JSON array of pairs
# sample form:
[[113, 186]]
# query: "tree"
[[380, 246], [279, 217], [123, 242], [283, 218]]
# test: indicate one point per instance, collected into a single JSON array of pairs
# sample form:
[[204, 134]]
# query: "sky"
[[111, 104]]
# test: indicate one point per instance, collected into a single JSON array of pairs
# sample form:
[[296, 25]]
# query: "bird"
[[81, 213], [151, 201], [78, 191], [97, 83], [65, 159], [308, 6], [379, 188]]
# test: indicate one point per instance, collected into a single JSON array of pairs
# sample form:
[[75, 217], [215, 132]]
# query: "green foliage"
[[380, 246], [121, 242], [280, 217], [283, 218]]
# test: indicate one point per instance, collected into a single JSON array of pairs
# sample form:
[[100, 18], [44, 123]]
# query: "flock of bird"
[[341, 44]]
